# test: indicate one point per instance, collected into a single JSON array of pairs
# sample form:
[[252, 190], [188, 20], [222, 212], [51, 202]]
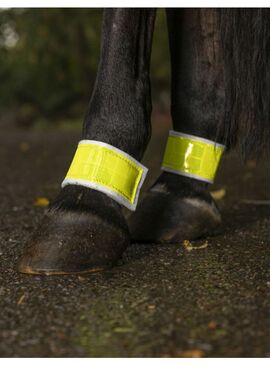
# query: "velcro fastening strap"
[[192, 156], [105, 168]]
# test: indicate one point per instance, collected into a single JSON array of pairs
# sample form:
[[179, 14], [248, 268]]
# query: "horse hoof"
[[75, 242], [164, 217]]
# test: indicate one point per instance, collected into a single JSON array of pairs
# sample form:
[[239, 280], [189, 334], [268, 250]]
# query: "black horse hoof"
[[164, 217], [77, 240]]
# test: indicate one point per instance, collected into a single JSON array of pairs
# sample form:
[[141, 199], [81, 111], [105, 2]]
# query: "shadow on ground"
[[160, 300]]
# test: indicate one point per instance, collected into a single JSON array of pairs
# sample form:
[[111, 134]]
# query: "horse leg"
[[84, 230], [179, 207]]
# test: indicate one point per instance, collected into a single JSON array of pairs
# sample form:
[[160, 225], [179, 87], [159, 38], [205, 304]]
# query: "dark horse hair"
[[245, 38]]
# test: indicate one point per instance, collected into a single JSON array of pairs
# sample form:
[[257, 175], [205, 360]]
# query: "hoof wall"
[[73, 243], [165, 218]]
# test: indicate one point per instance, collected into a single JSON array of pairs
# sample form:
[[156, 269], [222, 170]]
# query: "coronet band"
[[100, 166], [192, 156]]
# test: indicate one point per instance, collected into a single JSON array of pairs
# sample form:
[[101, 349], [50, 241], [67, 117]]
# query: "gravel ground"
[[160, 300]]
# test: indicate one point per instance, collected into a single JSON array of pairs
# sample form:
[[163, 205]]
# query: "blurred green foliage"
[[49, 57]]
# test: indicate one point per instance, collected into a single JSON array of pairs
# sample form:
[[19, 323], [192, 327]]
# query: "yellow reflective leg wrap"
[[192, 156], [102, 167]]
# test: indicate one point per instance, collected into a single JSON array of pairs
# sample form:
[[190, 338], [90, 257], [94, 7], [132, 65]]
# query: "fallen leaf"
[[81, 278], [189, 247], [20, 301], [218, 194], [41, 202], [212, 325], [191, 353], [151, 306], [24, 146]]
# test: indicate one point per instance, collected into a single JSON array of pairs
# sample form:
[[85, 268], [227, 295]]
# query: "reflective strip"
[[105, 168], [192, 156]]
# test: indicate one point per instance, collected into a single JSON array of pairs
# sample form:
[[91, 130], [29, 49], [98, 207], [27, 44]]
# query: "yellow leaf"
[[218, 194], [41, 202], [191, 353], [20, 301], [189, 247]]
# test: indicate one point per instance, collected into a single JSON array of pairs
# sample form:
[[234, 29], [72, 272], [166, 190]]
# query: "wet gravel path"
[[161, 300]]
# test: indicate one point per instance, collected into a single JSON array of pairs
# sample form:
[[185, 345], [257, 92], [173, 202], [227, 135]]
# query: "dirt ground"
[[160, 300]]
